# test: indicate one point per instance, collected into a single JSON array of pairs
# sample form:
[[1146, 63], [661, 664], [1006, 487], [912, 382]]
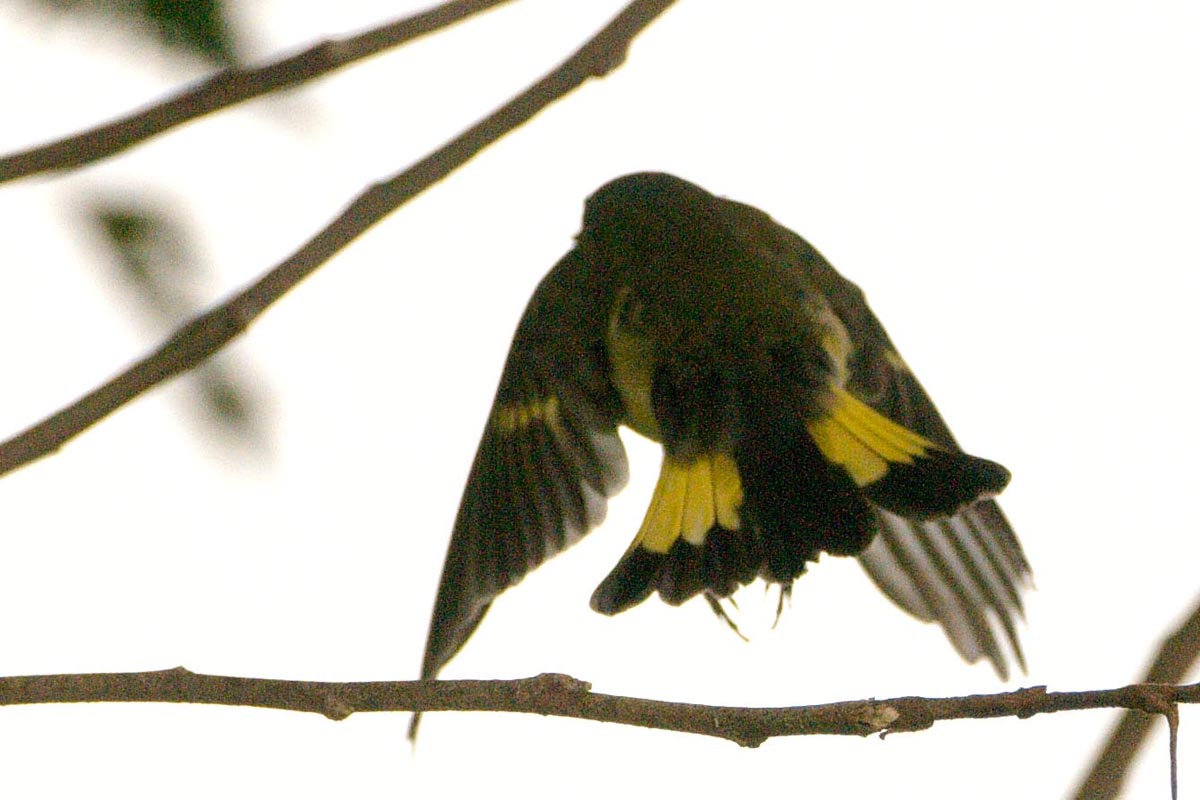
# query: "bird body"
[[790, 427]]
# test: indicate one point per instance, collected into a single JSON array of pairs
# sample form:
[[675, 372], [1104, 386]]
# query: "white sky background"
[[1014, 184]]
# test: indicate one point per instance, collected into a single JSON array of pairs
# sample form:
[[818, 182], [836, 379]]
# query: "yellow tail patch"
[[689, 499], [862, 441]]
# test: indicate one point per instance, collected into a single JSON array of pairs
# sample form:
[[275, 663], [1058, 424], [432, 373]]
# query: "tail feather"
[[790, 491], [800, 502], [690, 541], [898, 469], [716, 522], [630, 582], [937, 485]]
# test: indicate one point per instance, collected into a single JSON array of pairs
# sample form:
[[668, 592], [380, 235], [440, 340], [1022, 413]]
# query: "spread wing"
[[548, 460], [964, 572]]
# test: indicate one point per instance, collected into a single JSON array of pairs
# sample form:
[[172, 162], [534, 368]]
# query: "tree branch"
[[1175, 658], [207, 333], [564, 696], [229, 87]]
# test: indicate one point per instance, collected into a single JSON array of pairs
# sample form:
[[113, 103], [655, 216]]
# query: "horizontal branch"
[[563, 696], [230, 87], [209, 332]]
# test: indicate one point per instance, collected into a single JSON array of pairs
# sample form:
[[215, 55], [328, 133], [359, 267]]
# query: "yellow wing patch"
[[862, 441], [511, 418], [689, 499]]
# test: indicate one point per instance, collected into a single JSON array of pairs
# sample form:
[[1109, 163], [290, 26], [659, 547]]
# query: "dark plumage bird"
[[790, 427]]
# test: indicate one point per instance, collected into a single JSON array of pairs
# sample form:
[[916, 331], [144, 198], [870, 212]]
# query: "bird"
[[789, 423]]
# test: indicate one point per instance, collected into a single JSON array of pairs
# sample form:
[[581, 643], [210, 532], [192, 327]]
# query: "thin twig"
[[1172, 715], [564, 696], [229, 87], [207, 333], [1175, 658]]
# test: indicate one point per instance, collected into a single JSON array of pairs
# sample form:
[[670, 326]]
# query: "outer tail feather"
[[690, 541], [937, 485], [629, 583], [898, 469]]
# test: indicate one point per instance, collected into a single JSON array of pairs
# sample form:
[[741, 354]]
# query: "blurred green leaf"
[[156, 259], [229, 404], [198, 26], [129, 233]]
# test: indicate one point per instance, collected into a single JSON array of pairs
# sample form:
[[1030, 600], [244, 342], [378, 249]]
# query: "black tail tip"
[[937, 485], [630, 582]]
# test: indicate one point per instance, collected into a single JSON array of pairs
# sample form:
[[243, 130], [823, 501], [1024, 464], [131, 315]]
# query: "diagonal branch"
[[207, 333], [1175, 658], [229, 87], [564, 696]]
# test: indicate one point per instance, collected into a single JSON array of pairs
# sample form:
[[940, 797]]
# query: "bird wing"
[[548, 460], [965, 572]]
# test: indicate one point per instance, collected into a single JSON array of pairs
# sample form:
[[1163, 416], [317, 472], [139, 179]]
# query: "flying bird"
[[789, 423]]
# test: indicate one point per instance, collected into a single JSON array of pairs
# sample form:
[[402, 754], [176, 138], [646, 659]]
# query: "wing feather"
[[548, 460]]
